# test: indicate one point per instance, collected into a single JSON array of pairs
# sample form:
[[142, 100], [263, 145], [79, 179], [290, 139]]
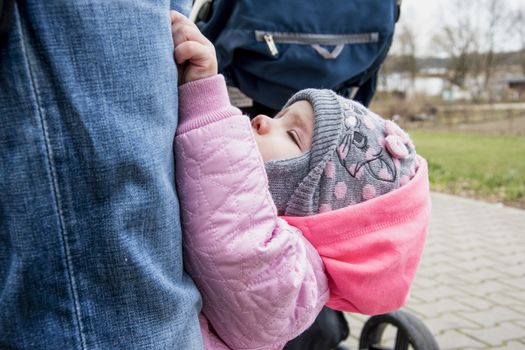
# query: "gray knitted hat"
[[355, 156]]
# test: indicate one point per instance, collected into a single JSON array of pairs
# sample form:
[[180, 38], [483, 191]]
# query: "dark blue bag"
[[271, 49], [6, 11]]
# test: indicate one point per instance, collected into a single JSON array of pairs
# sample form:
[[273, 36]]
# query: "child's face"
[[287, 135]]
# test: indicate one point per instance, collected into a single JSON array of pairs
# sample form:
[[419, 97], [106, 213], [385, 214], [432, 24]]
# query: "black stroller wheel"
[[410, 331]]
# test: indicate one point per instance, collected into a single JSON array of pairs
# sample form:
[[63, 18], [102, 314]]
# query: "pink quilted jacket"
[[262, 280]]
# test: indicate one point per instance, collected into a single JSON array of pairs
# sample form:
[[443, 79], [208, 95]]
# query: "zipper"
[[271, 38], [271, 44]]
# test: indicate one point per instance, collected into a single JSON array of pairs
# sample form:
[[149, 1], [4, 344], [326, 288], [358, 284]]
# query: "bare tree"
[[472, 38], [457, 40], [402, 55], [407, 44], [519, 25], [497, 24]]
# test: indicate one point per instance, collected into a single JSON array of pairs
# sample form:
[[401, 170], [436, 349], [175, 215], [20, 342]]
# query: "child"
[[353, 193]]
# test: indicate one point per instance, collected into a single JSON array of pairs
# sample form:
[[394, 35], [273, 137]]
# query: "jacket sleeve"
[[261, 281]]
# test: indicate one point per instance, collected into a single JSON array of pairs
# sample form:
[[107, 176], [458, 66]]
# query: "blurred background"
[[455, 78]]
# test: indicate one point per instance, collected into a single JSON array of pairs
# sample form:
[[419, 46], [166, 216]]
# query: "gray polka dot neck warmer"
[[355, 156]]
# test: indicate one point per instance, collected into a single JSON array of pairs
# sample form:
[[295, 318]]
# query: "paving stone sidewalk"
[[470, 288]]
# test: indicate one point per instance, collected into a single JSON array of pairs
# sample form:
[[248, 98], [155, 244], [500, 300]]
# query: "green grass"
[[475, 165]]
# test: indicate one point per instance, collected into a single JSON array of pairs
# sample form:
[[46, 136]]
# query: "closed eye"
[[295, 138]]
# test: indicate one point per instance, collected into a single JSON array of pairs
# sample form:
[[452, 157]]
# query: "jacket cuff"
[[203, 102]]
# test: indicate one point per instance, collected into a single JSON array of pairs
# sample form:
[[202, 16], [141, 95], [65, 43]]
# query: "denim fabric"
[[183, 6], [90, 238]]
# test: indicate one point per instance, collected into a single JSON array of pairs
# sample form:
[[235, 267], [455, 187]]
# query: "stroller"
[[267, 51]]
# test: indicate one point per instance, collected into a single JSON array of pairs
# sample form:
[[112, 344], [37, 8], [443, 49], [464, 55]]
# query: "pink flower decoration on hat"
[[392, 128], [396, 147]]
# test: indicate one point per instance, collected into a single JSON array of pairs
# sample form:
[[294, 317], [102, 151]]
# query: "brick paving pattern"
[[470, 288]]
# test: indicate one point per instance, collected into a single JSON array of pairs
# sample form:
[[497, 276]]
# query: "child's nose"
[[262, 124]]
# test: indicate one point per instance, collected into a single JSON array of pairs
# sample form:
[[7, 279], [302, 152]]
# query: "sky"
[[426, 16]]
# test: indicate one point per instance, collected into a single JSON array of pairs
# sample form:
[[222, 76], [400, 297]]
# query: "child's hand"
[[194, 54]]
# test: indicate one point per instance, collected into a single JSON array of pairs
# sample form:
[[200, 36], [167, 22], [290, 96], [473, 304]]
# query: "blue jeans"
[[90, 238]]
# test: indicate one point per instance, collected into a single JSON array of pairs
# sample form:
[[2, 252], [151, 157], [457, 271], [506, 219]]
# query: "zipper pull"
[[271, 44]]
